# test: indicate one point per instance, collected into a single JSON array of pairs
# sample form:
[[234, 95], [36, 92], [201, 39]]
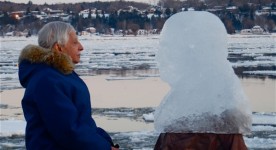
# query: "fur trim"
[[37, 54]]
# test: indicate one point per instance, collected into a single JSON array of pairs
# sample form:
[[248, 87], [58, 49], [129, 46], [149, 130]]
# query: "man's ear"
[[56, 47]]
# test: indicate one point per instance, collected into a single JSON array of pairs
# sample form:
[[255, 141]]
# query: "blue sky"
[[72, 1]]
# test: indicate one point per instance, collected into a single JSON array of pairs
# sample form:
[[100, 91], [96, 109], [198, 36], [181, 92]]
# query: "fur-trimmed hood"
[[33, 58], [37, 54]]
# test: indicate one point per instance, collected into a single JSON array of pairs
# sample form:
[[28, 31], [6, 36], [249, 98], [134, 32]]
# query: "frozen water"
[[12, 127], [263, 128], [260, 143], [148, 117], [121, 53], [263, 135], [109, 54], [205, 95], [264, 119], [268, 72]]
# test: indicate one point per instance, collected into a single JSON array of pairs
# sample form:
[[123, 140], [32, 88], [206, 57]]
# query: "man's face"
[[73, 47]]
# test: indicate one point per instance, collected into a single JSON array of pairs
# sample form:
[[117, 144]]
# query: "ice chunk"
[[148, 117], [205, 95]]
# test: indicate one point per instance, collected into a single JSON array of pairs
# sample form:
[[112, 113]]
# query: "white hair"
[[54, 32]]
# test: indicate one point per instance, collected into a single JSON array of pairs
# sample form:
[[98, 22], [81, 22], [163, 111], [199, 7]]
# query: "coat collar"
[[37, 54]]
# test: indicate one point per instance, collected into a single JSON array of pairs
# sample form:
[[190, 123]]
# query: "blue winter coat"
[[56, 104]]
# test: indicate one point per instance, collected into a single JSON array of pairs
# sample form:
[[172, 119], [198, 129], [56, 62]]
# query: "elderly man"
[[56, 103]]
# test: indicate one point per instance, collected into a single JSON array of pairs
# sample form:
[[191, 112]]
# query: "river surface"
[[128, 59]]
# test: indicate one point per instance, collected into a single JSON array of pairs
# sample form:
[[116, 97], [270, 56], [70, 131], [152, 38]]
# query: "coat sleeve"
[[63, 121], [103, 133]]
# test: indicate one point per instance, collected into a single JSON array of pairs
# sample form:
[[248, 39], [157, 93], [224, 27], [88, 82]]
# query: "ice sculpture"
[[205, 96]]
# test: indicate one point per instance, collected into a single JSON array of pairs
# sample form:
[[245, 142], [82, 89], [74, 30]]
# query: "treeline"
[[126, 20], [201, 4], [108, 7], [145, 17]]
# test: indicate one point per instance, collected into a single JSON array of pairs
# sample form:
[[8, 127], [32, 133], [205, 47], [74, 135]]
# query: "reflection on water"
[[119, 72], [261, 93], [123, 119], [122, 124]]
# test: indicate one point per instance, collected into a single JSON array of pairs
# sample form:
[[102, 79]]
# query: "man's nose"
[[80, 47]]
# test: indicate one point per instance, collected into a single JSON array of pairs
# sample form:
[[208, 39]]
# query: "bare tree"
[[229, 26], [270, 25], [133, 27], [247, 23], [260, 20]]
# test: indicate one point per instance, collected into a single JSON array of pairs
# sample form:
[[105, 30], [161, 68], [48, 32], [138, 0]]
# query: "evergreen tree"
[[6, 19], [28, 11], [112, 21], [168, 12], [30, 3]]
